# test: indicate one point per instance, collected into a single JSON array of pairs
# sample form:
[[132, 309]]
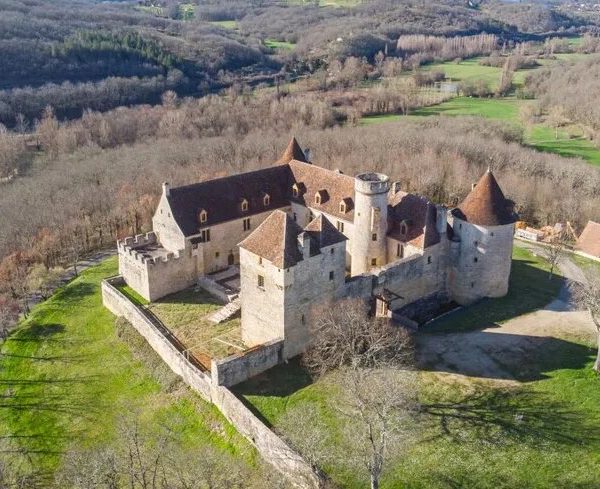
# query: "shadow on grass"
[[501, 417], [501, 356], [529, 290], [280, 381], [74, 293]]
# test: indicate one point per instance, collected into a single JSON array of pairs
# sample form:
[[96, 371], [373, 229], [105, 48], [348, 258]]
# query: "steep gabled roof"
[[276, 240], [323, 232], [419, 215], [221, 198], [486, 205], [292, 152], [589, 240], [314, 179]]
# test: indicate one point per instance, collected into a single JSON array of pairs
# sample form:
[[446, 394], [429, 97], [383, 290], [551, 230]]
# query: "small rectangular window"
[[205, 235], [332, 250], [475, 260], [261, 281], [428, 259], [330, 275], [373, 261], [374, 237], [260, 260], [295, 217], [216, 254], [246, 224], [340, 226]]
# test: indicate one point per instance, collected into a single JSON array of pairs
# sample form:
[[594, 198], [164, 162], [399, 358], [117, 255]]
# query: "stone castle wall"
[[237, 368], [156, 277], [483, 261], [272, 448]]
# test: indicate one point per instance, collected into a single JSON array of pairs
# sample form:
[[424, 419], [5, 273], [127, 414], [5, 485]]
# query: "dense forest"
[[76, 55]]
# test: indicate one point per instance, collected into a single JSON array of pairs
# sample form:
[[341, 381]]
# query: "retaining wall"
[[239, 367], [272, 448]]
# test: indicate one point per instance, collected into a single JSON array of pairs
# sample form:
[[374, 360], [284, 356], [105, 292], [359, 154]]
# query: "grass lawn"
[[275, 44], [68, 376], [467, 70], [184, 313], [492, 108], [225, 24], [473, 432], [543, 138], [529, 290]]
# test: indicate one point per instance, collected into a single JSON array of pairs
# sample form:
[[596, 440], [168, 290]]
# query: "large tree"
[[369, 361]]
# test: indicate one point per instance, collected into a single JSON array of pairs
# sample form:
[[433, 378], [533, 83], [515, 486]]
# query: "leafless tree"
[[553, 252], [9, 314], [369, 361], [587, 296]]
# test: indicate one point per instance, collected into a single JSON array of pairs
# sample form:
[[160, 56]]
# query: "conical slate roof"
[[276, 240], [292, 152], [486, 205]]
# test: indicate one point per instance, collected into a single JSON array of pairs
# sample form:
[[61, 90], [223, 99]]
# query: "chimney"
[[304, 245], [441, 221], [166, 189], [396, 186], [307, 154], [473, 185]]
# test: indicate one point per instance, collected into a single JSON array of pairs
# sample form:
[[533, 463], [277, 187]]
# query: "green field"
[[225, 24], [69, 375], [477, 433], [543, 138], [467, 70], [283, 45]]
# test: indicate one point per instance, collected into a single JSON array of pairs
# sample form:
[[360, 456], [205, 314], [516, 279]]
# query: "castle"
[[303, 236]]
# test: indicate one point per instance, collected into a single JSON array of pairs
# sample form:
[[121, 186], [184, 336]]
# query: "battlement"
[[372, 183], [138, 241], [146, 249]]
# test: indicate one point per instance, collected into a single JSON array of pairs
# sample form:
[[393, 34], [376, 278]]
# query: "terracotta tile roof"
[[589, 240], [486, 205], [334, 187], [292, 152], [418, 214], [323, 232], [276, 240], [222, 198]]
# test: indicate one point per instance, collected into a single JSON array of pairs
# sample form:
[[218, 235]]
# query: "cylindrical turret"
[[369, 243]]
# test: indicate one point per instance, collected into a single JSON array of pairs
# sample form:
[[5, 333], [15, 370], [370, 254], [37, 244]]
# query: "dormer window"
[[403, 228], [244, 205], [343, 207], [295, 190], [266, 200], [318, 198], [321, 197], [202, 216]]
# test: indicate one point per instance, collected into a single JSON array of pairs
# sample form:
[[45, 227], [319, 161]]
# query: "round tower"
[[369, 241], [484, 226]]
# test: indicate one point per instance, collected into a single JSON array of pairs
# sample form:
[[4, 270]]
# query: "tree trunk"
[[374, 482], [597, 363]]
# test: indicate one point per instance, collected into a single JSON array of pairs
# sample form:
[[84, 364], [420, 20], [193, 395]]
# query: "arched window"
[[403, 229], [266, 200], [295, 190], [244, 205], [202, 216]]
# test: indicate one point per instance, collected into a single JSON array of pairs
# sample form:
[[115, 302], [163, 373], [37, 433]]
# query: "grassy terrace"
[[68, 374], [478, 433]]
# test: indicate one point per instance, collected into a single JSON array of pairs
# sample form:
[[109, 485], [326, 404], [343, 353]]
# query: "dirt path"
[[501, 352]]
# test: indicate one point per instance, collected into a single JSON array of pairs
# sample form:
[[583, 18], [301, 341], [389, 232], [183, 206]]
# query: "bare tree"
[[553, 252], [587, 296], [9, 314], [369, 360]]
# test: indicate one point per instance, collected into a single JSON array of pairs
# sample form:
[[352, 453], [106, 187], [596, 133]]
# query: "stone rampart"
[[272, 448], [239, 367]]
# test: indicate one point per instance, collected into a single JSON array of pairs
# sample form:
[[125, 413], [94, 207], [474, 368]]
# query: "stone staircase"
[[226, 312]]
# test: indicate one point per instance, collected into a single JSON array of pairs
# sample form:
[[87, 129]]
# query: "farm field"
[[274, 44], [536, 425], [69, 374], [225, 24]]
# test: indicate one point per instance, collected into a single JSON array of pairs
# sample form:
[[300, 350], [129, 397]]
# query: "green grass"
[[132, 295], [274, 44], [468, 70], [474, 432], [226, 24], [529, 290], [68, 377], [492, 108], [543, 138]]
